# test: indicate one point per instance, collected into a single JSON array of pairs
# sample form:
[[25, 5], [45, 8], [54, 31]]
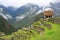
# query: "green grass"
[[53, 34]]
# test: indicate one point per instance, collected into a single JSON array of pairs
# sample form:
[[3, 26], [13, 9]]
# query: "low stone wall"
[[57, 20]]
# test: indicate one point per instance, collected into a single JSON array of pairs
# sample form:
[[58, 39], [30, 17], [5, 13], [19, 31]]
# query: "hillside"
[[5, 27], [27, 21], [40, 30]]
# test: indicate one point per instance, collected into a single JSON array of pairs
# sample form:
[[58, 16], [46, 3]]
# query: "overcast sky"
[[18, 3]]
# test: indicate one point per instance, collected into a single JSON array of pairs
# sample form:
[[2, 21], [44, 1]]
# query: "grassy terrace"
[[39, 31]]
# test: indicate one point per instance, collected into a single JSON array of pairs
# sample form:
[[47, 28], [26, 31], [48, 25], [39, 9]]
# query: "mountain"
[[56, 8], [12, 10], [16, 14], [26, 14], [27, 21], [5, 26], [27, 10], [7, 12]]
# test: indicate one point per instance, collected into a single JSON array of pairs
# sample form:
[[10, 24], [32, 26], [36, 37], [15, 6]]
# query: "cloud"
[[18, 3], [20, 17], [56, 1], [6, 16]]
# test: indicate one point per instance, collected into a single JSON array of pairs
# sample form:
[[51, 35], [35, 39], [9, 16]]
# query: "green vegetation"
[[40, 30], [5, 27]]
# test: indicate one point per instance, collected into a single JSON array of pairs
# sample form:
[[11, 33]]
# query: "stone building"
[[48, 12]]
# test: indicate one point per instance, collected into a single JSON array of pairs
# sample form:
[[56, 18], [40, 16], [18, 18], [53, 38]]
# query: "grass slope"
[[34, 34]]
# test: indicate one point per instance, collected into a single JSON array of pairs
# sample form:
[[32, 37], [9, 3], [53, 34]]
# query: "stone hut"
[[48, 12]]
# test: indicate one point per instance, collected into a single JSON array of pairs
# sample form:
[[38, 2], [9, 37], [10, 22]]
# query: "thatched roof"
[[48, 9]]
